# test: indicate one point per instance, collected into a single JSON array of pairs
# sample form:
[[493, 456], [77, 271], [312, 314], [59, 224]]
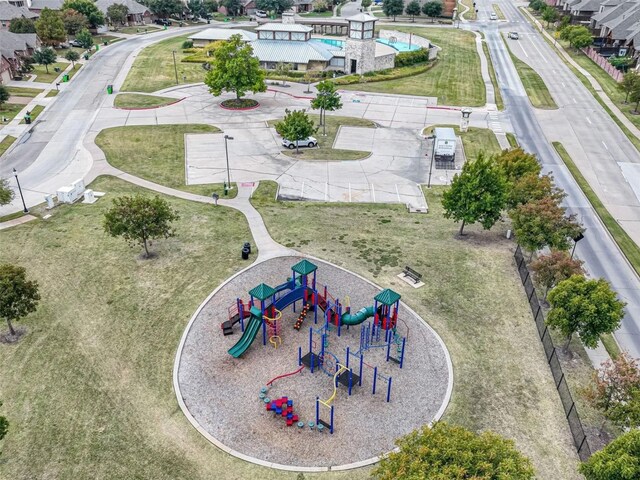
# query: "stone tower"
[[360, 47]]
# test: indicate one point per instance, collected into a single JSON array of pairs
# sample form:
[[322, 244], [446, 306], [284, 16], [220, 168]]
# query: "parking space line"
[[326, 191], [373, 193], [349, 192], [605, 145], [302, 190], [398, 194], [589, 120]]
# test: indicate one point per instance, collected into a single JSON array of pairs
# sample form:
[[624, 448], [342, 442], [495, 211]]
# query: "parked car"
[[163, 21], [261, 14], [514, 35], [75, 43], [306, 142], [493, 16]]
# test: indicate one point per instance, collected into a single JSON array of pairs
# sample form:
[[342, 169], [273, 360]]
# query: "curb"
[[148, 108]]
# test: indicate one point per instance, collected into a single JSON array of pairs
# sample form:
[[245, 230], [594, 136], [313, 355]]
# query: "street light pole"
[[226, 151], [175, 68], [24, 205]]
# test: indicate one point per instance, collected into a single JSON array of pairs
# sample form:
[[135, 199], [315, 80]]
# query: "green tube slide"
[[358, 317]]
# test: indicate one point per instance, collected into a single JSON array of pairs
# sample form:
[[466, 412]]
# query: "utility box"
[[444, 144], [89, 197], [79, 187], [67, 194]]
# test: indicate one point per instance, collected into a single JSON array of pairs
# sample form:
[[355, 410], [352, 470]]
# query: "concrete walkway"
[[16, 221]]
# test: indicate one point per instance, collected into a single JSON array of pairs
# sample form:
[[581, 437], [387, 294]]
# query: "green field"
[[10, 110], [153, 69], [535, 87], [474, 140], [155, 153], [6, 143], [41, 72], [472, 297], [455, 79], [324, 150], [24, 92], [135, 100], [140, 30], [513, 141]]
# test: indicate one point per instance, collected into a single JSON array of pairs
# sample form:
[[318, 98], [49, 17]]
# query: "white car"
[[493, 16], [306, 142], [261, 14], [514, 35]]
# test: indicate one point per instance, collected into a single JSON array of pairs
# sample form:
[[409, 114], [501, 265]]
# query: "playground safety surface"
[[221, 393]]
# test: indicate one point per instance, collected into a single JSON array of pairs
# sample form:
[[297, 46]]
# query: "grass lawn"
[[139, 29], [24, 92], [10, 110], [41, 72], [626, 244], [14, 215], [6, 143], [100, 39], [471, 13], [474, 140], [455, 79], [492, 74], [328, 13], [324, 150], [155, 153], [513, 141], [535, 87], [472, 297], [496, 8], [76, 68], [51, 93], [135, 100], [153, 68], [37, 110], [88, 391]]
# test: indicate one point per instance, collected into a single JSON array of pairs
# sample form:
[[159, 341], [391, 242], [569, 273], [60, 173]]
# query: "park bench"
[[412, 274]]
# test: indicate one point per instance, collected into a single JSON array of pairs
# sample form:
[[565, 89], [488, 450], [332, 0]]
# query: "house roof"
[[41, 4], [15, 42], [8, 11], [361, 17], [283, 27], [387, 297], [634, 38], [134, 7], [626, 25], [586, 6], [611, 17], [304, 267], [214, 34], [292, 51], [262, 291]]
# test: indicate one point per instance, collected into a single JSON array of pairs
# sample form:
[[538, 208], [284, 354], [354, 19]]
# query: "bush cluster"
[[404, 59]]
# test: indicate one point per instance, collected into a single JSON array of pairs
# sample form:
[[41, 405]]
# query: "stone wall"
[[384, 62], [364, 52]]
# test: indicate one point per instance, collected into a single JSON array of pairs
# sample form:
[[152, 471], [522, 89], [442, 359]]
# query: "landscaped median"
[[155, 153], [6, 143], [628, 247], [324, 151], [535, 87], [138, 101], [34, 113]]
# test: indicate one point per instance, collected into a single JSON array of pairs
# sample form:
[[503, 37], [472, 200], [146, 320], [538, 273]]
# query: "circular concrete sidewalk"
[[220, 394]]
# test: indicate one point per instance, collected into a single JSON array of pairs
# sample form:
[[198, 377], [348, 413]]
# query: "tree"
[[477, 194], [140, 219], [549, 15], [587, 307], [88, 8], [6, 192], [196, 8], [537, 5], [277, 6], [542, 223], [451, 452], [235, 69], [391, 8], [45, 56], [432, 9], [22, 25], [578, 36], [515, 164], [166, 8], [4, 94], [73, 57], [117, 14], [4, 425], [635, 96], [85, 38], [50, 28], [615, 389], [210, 6], [295, 126], [18, 296], [532, 187], [555, 267], [327, 99], [283, 69], [619, 460], [413, 9], [365, 4], [232, 6], [74, 21]]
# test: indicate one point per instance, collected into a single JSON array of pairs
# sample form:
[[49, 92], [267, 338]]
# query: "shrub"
[[404, 59], [383, 75], [187, 44]]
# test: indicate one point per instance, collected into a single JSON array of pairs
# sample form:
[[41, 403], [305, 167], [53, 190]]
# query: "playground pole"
[[347, 362], [331, 427], [350, 381], [375, 378], [339, 315], [317, 410], [315, 304], [361, 362], [264, 324], [299, 356], [241, 313], [389, 390], [404, 340], [388, 348]]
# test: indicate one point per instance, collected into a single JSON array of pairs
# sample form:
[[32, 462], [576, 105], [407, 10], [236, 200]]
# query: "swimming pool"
[[400, 46]]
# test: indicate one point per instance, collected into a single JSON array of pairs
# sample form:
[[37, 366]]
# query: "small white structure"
[[209, 35], [444, 144], [464, 121], [89, 197], [67, 194], [49, 200], [79, 187]]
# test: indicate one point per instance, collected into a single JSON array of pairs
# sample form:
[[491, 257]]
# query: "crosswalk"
[[494, 122]]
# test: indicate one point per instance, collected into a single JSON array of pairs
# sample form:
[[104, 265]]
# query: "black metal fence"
[[570, 409]]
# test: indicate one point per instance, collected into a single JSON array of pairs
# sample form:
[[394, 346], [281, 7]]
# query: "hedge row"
[[404, 59], [381, 76]]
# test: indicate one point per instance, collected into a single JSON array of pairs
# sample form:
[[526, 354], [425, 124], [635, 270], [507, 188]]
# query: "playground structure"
[[264, 310]]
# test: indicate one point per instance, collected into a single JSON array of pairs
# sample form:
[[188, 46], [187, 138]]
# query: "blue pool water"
[[400, 46]]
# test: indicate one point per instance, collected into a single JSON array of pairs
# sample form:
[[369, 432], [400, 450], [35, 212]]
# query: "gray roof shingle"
[[8, 11]]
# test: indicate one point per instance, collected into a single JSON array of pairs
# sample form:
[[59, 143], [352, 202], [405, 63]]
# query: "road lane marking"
[[605, 145], [574, 100], [373, 193], [589, 120], [398, 194]]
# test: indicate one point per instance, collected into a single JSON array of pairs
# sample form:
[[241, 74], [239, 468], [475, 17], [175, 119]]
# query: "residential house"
[[138, 13], [582, 11], [14, 47], [8, 12], [615, 27], [38, 5]]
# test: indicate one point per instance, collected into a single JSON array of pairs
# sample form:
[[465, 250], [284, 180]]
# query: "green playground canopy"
[[304, 267], [387, 297], [262, 291]]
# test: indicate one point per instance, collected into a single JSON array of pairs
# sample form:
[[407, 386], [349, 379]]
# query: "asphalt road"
[[598, 250]]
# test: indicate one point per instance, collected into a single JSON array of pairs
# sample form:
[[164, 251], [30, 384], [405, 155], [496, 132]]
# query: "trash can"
[[245, 253], [86, 56], [27, 120], [105, 43], [65, 77], [247, 245], [97, 47], [165, 27], [109, 89], [56, 69]]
